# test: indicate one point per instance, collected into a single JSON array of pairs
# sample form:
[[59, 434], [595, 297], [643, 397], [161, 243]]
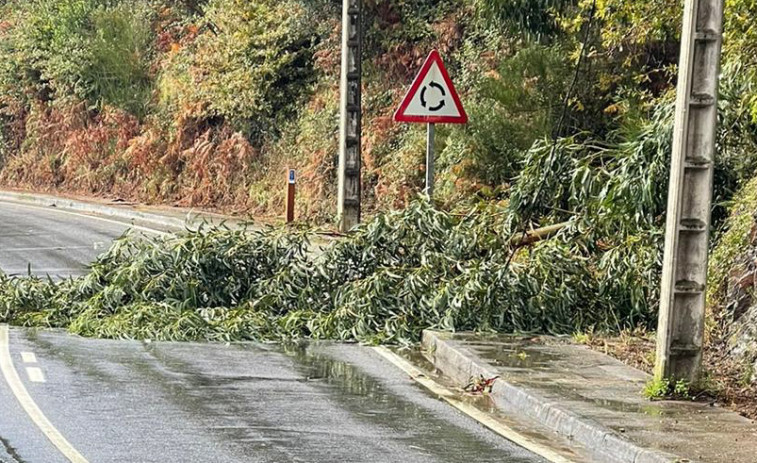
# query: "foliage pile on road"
[[393, 277], [422, 267]]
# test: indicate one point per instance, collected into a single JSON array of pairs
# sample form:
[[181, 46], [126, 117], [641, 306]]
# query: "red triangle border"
[[400, 116]]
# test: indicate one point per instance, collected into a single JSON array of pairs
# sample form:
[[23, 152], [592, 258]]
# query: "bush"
[[513, 107], [251, 64], [95, 50]]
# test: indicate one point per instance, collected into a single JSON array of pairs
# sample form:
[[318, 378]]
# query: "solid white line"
[[28, 357], [50, 248], [35, 374], [473, 412], [87, 216], [26, 401]]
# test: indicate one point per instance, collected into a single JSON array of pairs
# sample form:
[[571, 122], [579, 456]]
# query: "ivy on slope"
[[395, 276]]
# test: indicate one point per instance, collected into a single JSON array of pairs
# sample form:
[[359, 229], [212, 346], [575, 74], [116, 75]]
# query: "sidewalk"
[[593, 400]]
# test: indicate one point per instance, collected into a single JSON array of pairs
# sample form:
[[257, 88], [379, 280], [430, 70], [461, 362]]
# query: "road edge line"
[[448, 396], [91, 216], [18, 389]]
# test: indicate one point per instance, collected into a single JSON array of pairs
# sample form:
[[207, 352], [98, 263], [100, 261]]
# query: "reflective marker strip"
[[26, 401]]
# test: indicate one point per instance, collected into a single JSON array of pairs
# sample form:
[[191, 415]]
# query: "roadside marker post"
[[432, 99], [291, 185]]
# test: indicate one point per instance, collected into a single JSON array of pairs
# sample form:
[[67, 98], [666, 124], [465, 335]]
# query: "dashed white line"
[[31, 408], [28, 357], [35, 374]]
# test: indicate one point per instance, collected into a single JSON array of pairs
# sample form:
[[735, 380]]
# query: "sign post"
[[432, 99], [430, 160]]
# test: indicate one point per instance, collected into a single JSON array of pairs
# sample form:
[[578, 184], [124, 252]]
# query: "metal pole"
[[680, 334], [348, 208], [430, 161]]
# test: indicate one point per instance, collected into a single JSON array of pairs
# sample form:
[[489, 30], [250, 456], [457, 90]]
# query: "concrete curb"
[[456, 365], [125, 213]]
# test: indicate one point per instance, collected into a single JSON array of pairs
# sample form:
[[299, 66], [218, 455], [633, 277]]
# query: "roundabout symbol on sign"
[[440, 90], [432, 98]]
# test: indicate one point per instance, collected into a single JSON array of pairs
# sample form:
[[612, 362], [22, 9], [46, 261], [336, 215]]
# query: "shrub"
[[251, 64], [513, 107], [96, 50]]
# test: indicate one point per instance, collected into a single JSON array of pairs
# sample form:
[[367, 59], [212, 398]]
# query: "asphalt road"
[[51, 241], [134, 402]]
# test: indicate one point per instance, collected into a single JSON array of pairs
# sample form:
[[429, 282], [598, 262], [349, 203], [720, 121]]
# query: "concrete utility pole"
[[680, 333], [351, 116]]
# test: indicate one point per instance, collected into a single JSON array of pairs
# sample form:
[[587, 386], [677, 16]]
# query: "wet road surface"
[[141, 402], [51, 241], [124, 401]]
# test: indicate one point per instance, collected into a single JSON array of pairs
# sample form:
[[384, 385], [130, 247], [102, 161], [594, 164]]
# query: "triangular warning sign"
[[432, 97]]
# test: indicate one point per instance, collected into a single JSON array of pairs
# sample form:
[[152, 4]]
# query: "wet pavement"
[[124, 401], [141, 402], [51, 241], [572, 388]]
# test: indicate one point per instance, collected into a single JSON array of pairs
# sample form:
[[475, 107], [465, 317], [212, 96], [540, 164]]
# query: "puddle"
[[426, 432], [516, 356], [317, 408], [646, 408], [324, 402]]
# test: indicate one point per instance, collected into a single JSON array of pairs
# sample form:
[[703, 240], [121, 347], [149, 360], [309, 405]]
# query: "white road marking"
[[26, 401], [44, 271], [49, 248], [87, 216], [500, 428], [28, 357], [35, 374]]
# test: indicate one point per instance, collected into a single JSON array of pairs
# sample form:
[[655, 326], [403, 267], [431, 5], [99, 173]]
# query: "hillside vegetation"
[[206, 103]]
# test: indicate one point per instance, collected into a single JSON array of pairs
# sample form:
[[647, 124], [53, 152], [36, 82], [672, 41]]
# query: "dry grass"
[[110, 153]]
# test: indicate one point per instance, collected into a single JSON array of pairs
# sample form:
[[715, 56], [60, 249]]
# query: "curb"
[[515, 399], [125, 213], [443, 393]]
